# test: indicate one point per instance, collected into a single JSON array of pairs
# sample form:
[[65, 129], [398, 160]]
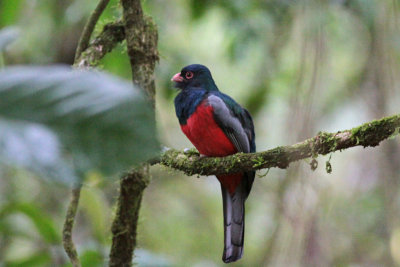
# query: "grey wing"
[[229, 124]]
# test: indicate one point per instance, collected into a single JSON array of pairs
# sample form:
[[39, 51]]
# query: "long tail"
[[233, 204]]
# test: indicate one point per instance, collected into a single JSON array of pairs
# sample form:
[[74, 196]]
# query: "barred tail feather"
[[233, 224]]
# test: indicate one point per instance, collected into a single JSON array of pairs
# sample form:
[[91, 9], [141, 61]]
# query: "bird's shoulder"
[[227, 111], [220, 101]]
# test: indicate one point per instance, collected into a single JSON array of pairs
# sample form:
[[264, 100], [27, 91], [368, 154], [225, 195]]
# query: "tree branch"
[[112, 34], [126, 218], [368, 134], [89, 27], [68, 244], [141, 39]]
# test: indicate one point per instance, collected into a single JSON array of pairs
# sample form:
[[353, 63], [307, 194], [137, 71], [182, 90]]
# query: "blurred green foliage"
[[101, 121], [300, 67]]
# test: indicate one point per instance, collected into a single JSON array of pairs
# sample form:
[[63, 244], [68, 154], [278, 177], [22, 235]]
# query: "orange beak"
[[177, 78]]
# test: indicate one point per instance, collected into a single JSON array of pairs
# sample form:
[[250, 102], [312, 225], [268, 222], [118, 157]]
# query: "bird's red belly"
[[210, 140], [206, 135]]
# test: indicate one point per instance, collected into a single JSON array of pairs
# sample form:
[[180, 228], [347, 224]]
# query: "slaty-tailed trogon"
[[218, 126]]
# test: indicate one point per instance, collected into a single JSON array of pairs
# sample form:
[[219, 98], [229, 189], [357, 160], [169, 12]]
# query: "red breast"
[[210, 140]]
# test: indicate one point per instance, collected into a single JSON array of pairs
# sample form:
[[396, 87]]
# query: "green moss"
[[395, 133], [327, 142], [191, 152], [371, 133], [258, 162], [151, 26]]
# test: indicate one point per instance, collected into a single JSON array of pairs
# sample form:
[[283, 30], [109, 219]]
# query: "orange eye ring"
[[189, 75]]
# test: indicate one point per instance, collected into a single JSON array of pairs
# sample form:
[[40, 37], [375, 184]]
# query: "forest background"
[[299, 67]]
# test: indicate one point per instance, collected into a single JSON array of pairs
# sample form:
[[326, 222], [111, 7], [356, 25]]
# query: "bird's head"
[[194, 76]]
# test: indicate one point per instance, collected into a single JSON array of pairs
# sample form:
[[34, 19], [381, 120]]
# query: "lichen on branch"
[[89, 28], [367, 134], [113, 33]]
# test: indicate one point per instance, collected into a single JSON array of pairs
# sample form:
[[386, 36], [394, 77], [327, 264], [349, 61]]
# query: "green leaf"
[[99, 121], [34, 147], [9, 11], [44, 224], [199, 8], [7, 36]]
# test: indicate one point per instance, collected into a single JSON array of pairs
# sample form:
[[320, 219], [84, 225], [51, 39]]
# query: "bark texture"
[[125, 223], [68, 244], [141, 38]]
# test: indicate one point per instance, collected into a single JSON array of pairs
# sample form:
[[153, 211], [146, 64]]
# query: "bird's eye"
[[189, 75]]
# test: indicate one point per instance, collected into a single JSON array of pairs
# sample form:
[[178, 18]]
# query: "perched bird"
[[218, 126]]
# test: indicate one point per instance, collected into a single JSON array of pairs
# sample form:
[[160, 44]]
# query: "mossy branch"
[[368, 134], [126, 218], [141, 40], [89, 28], [112, 34]]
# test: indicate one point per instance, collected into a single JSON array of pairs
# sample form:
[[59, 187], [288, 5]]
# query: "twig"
[[89, 27], [368, 134], [68, 244]]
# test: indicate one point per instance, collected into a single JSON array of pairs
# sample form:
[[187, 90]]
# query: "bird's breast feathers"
[[205, 134]]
